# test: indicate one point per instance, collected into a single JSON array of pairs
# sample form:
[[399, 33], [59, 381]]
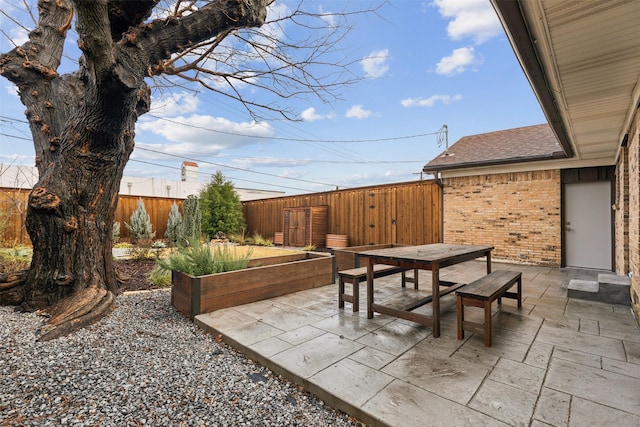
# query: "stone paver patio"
[[556, 362]]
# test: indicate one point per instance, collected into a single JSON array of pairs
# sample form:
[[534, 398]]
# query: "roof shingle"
[[516, 145]]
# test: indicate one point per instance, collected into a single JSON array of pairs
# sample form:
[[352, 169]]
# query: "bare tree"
[[83, 122]]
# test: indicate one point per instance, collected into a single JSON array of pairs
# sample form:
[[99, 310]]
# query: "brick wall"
[[517, 213], [621, 232], [634, 211]]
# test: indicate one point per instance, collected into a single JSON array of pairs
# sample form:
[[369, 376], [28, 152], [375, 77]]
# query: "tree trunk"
[[83, 130]]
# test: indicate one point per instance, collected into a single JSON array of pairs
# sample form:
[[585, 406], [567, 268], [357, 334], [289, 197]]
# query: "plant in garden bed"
[[202, 260], [15, 259]]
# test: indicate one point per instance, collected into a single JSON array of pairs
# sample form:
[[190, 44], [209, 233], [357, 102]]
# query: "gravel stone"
[[143, 365]]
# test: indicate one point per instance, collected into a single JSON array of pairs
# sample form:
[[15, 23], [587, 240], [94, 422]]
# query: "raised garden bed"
[[264, 278]]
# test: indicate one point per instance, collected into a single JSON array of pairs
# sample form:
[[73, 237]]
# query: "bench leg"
[[415, 278], [460, 311], [487, 324], [340, 292], [356, 295], [404, 278]]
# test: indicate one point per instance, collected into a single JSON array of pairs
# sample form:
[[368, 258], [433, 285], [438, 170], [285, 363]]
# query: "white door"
[[587, 227]]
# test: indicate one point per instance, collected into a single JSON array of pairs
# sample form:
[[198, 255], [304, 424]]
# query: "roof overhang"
[[582, 60]]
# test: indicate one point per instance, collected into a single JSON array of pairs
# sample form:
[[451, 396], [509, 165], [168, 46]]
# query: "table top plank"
[[431, 253]]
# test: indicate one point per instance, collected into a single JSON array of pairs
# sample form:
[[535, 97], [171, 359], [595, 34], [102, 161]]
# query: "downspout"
[[440, 183]]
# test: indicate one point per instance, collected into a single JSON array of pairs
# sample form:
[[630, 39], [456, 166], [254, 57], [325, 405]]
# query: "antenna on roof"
[[443, 137]]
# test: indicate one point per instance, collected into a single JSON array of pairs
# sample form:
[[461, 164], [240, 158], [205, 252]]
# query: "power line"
[[234, 167], [395, 138], [235, 179]]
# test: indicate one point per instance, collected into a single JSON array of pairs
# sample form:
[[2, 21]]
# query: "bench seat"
[[481, 293], [359, 274]]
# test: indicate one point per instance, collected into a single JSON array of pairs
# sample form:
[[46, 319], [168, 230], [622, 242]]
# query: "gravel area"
[[145, 364]]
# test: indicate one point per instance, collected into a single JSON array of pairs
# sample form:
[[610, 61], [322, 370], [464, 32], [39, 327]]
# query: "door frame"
[[583, 175]]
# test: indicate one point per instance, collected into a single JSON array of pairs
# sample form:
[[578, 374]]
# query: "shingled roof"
[[524, 144]]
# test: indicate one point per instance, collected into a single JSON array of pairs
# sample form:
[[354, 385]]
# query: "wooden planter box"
[[264, 278]]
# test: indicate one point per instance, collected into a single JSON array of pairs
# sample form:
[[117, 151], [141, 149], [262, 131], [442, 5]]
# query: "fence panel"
[[404, 213], [13, 210]]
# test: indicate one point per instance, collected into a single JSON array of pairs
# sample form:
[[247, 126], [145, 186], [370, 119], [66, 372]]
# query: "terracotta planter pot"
[[278, 238], [337, 241]]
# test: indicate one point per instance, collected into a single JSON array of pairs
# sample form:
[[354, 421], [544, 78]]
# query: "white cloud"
[[174, 104], [431, 101], [375, 64], [475, 19], [357, 112], [457, 62], [310, 115], [203, 135]]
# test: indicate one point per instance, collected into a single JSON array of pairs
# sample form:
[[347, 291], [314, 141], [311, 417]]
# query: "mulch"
[[136, 271]]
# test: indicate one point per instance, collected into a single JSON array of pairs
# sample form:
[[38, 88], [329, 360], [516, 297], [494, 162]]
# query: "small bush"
[[160, 277], [140, 227], [201, 260], [309, 248], [258, 240], [175, 226], [15, 259]]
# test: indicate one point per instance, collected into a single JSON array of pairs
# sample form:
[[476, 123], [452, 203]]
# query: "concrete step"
[[609, 288]]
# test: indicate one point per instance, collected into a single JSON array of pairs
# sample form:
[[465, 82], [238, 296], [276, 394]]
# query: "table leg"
[[369, 288], [488, 262], [435, 279]]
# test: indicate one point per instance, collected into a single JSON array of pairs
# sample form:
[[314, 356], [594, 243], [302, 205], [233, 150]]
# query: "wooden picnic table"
[[426, 257]]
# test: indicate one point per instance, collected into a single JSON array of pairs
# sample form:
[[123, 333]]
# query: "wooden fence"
[[401, 213], [13, 210]]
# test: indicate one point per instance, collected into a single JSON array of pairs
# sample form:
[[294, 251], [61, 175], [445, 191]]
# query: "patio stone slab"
[[553, 408], [279, 316], [372, 357], [300, 335], [632, 349], [519, 375], [609, 388], [403, 404], [582, 342], [395, 337], [586, 413], [241, 328], [350, 327], [453, 377], [270, 346], [315, 355], [539, 355], [351, 381], [505, 403]]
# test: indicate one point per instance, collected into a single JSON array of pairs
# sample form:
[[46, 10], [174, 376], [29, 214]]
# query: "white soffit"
[[590, 52]]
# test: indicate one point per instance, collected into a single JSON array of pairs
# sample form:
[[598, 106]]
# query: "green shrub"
[[175, 226], [201, 260], [309, 248], [221, 207], [159, 277], [258, 240], [191, 222], [140, 227]]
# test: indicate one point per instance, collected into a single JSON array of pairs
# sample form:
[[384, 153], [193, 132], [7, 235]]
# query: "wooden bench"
[[357, 275], [481, 293]]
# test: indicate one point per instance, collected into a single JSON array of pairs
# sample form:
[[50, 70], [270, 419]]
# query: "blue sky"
[[422, 64]]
